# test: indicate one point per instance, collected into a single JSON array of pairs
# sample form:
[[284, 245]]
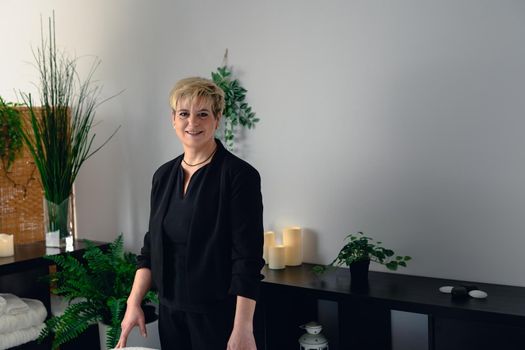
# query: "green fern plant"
[[99, 286], [236, 110]]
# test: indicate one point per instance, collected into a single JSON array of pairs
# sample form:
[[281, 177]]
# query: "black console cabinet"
[[289, 299]]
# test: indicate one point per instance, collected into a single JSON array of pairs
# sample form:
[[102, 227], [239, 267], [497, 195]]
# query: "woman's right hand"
[[134, 317]]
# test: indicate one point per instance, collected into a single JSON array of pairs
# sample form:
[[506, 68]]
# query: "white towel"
[[14, 305], [3, 304], [19, 337], [35, 315]]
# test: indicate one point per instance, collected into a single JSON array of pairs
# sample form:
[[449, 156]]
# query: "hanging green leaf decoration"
[[236, 111]]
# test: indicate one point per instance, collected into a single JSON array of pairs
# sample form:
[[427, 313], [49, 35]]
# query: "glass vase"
[[58, 223]]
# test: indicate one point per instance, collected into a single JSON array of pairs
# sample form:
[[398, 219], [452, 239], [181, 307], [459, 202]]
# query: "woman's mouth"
[[193, 133]]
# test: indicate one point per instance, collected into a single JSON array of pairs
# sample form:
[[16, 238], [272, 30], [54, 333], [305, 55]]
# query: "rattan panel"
[[21, 198]]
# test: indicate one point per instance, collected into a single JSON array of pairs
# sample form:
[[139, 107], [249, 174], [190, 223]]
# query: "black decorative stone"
[[470, 287], [459, 293]]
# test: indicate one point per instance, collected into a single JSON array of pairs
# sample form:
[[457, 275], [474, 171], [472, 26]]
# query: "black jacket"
[[224, 248]]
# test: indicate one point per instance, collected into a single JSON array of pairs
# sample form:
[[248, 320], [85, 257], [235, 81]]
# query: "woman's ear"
[[173, 118], [218, 119]]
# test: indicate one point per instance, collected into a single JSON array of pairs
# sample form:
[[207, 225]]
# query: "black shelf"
[[24, 275], [31, 255], [364, 314]]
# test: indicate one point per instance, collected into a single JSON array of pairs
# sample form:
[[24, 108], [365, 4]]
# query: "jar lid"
[[312, 327], [313, 339]]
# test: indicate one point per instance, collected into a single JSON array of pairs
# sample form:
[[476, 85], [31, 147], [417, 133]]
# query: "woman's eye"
[[183, 115], [202, 115]]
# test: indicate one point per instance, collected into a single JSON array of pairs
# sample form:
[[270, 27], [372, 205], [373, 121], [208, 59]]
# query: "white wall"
[[403, 119]]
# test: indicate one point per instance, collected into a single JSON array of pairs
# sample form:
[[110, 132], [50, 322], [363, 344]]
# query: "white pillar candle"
[[293, 241], [276, 257], [7, 247], [269, 241]]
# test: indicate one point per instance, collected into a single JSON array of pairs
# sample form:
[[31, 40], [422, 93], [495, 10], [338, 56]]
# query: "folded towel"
[[19, 337], [3, 304], [14, 305], [35, 315]]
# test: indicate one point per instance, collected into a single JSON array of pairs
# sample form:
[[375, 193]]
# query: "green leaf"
[[392, 265], [389, 252], [11, 138], [319, 269]]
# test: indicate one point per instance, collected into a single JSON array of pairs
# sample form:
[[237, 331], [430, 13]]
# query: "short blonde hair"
[[195, 87]]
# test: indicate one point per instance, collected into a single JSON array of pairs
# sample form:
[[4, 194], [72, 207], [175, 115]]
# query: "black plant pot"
[[150, 313], [359, 273]]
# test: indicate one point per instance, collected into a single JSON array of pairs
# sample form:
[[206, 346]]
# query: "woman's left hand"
[[241, 339]]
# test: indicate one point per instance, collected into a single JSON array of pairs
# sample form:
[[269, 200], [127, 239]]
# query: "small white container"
[[313, 339]]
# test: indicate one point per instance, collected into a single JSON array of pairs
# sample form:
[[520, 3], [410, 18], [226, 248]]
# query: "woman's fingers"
[[121, 343], [133, 317], [123, 336], [142, 327], [126, 329]]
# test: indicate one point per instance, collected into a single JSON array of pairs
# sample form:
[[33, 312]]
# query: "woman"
[[203, 251]]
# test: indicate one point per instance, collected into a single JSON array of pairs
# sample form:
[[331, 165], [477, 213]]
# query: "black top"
[[177, 220], [176, 226], [225, 236]]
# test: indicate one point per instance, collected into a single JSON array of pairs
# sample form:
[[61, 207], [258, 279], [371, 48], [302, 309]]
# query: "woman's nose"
[[193, 119]]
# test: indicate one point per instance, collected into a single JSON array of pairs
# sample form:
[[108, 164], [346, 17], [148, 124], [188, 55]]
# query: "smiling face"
[[195, 123]]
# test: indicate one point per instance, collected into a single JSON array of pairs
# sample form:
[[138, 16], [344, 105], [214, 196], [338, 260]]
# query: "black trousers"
[[183, 330]]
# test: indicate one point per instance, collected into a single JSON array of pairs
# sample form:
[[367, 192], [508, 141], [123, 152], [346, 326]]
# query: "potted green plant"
[[357, 254], [11, 140], [236, 110], [96, 289], [59, 134]]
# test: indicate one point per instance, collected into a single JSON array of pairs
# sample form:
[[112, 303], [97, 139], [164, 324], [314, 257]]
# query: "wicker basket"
[[21, 197]]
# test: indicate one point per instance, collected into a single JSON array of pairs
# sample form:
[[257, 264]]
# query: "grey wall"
[[403, 119]]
